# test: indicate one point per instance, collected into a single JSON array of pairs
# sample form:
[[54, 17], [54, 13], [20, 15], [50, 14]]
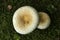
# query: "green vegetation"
[[52, 7]]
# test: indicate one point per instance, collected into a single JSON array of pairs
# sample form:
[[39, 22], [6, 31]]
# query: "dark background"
[[51, 7]]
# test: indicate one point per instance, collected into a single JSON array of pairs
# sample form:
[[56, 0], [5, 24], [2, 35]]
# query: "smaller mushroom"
[[44, 20], [9, 7]]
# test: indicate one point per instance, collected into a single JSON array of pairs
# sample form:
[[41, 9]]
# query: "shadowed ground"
[[52, 7]]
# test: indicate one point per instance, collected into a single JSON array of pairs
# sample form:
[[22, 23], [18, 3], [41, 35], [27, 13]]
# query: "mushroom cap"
[[25, 19], [44, 20]]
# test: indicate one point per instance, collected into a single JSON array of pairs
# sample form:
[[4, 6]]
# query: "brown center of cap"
[[25, 19], [43, 18]]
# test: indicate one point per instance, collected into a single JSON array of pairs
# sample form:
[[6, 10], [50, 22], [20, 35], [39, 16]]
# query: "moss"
[[52, 7]]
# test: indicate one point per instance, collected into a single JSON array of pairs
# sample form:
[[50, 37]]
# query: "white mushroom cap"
[[44, 20], [25, 20]]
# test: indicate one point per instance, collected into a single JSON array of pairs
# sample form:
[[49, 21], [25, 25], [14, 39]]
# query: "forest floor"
[[51, 7]]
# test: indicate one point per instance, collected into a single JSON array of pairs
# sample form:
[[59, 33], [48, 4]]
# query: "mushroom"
[[44, 20], [25, 19], [9, 7]]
